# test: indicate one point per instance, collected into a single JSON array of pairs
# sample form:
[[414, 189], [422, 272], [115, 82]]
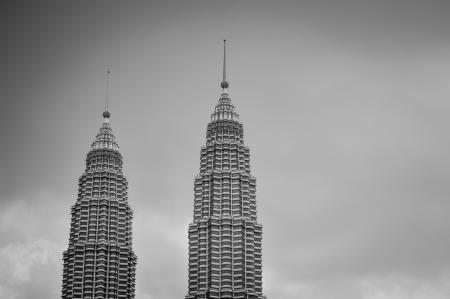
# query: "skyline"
[[353, 94]]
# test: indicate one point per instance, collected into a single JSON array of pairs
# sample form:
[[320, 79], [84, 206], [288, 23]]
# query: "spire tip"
[[224, 83], [106, 113]]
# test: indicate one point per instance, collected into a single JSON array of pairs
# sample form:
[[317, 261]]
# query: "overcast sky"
[[346, 110]]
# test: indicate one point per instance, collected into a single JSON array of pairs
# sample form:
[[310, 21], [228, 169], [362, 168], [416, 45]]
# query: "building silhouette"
[[100, 262], [225, 237]]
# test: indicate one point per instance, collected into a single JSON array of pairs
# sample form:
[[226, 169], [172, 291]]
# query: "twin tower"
[[224, 237]]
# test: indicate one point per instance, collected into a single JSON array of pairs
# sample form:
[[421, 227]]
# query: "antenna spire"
[[106, 113], [224, 83]]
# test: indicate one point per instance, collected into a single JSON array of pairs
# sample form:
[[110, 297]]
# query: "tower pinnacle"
[[106, 113], [224, 83]]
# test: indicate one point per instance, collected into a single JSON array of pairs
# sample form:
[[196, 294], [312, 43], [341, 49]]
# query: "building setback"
[[225, 237], [100, 262]]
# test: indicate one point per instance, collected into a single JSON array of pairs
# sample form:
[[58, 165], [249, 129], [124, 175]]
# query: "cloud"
[[30, 250], [386, 286], [161, 246], [404, 287], [144, 296], [20, 259], [29, 269], [8, 292]]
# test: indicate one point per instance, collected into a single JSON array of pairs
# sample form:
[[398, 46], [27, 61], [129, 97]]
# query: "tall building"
[[225, 237], [100, 262]]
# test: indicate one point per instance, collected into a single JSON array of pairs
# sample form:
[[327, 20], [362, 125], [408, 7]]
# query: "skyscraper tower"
[[225, 237], [100, 262]]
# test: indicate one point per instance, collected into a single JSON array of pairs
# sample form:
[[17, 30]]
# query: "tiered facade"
[[100, 262], [225, 237]]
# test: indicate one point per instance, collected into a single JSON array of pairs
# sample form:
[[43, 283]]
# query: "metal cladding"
[[225, 237], [100, 262]]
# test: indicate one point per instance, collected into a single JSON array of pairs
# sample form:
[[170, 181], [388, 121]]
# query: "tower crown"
[[105, 139], [224, 109]]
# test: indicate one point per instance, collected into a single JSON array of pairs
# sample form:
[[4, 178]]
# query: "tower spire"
[[224, 83], [106, 113]]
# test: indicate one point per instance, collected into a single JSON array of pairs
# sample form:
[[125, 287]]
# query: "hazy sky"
[[346, 110]]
